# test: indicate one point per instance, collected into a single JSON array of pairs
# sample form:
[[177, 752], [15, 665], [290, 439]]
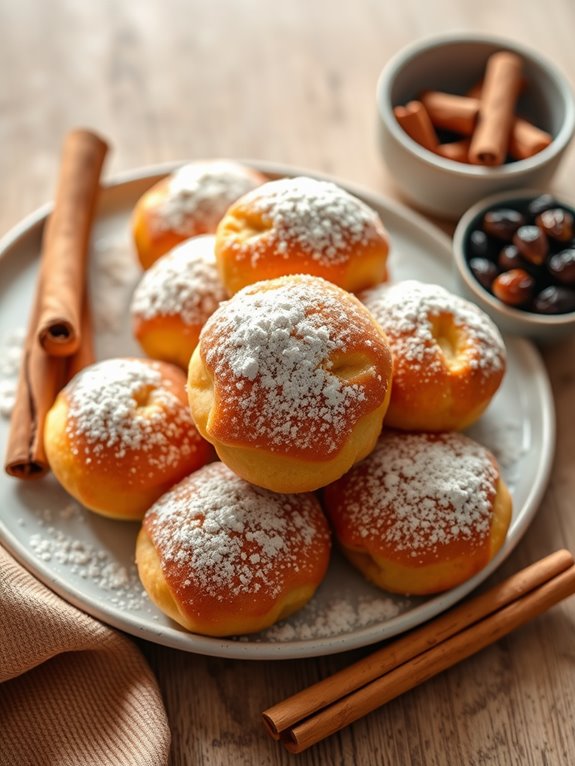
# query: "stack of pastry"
[[428, 508], [291, 379], [186, 203]]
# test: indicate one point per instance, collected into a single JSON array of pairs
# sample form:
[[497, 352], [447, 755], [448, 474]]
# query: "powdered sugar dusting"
[[316, 217], [183, 283], [104, 400], [11, 349], [420, 492], [227, 537], [508, 440], [54, 546], [271, 352], [336, 617], [407, 311], [113, 274], [199, 194]]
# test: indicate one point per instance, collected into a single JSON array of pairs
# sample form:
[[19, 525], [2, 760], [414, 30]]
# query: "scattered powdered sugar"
[[11, 354], [8, 390], [506, 439], [271, 351], [418, 492], [406, 312], [336, 617], [227, 537], [11, 349], [52, 545], [200, 193], [316, 217], [183, 283], [114, 271], [104, 400]]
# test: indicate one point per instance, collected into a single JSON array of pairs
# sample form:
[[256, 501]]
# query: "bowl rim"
[[509, 171], [528, 318]]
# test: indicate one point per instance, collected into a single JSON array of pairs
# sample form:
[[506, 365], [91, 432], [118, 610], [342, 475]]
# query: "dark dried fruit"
[[509, 258], [514, 287], [484, 271], [478, 243], [562, 266], [556, 223], [555, 300], [502, 223], [541, 203], [531, 243], [524, 254]]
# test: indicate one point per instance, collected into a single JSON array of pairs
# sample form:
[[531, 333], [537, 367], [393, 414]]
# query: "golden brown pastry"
[[423, 513], [223, 557], [120, 434], [188, 202], [290, 382], [301, 226], [174, 298], [449, 357]]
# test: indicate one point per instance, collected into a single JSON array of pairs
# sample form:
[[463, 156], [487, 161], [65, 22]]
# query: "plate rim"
[[145, 172], [178, 638]]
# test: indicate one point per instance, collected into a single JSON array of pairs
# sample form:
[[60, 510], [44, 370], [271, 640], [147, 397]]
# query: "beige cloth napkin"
[[72, 691]]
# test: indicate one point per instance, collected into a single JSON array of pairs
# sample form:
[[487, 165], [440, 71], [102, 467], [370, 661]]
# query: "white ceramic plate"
[[89, 560]]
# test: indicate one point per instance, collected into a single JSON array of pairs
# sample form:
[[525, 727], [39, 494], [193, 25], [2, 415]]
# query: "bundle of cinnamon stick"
[[59, 339], [329, 705], [484, 121]]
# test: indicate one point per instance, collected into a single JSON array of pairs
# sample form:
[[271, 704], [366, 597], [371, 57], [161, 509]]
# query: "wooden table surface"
[[294, 83]]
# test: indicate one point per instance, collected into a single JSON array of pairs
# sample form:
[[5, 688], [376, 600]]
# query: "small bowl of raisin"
[[515, 257]]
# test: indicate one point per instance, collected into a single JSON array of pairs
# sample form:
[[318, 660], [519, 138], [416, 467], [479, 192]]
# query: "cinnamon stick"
[[458, 151], [65, 243], [415, 121], [459, 114], [451, 112], [41, 378], [527, 139], [85, 355], [42, 375], [496, 109], [333, 703], [476, 90]]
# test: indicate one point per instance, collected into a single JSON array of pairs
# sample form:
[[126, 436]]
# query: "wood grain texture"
[[294, 82]]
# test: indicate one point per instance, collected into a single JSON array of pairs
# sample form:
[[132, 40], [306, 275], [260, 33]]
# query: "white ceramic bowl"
[[454, 63], [545, 328]]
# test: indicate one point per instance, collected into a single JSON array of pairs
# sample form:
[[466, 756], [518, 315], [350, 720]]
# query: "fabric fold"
[[72, 690]]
